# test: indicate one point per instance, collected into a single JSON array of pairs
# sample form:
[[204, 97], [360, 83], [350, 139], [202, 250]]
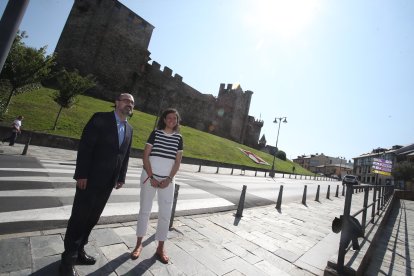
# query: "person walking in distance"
[[162, 158], [16, 130], [101, 165]]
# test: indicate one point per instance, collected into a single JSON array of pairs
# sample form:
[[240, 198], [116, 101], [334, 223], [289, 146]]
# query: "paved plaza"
[[295, 240]]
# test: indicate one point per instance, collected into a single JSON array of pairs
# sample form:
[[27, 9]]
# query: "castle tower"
[[252, 133], [105, 38], [232, 112]]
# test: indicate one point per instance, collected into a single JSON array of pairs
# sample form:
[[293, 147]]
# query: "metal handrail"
[[381, 196]]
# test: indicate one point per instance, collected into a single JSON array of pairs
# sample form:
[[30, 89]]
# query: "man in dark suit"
[[101, 165]]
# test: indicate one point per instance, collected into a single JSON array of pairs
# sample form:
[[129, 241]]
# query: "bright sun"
[[284, 18]]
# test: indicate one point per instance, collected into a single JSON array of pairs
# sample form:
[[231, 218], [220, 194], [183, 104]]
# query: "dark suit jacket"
[[100, 159]]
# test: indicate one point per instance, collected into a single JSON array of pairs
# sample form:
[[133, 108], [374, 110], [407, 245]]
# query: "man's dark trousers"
[[86, 211]]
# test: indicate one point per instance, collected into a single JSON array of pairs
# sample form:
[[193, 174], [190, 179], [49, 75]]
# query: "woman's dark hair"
[[161, 124]]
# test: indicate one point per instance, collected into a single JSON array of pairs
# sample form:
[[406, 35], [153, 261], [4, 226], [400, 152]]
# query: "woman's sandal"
[[136, 252], [162, 257]]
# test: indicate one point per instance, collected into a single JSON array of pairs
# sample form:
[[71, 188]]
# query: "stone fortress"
[[108, 40]]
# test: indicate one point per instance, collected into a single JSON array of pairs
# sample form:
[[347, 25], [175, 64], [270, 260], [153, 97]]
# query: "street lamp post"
[[272, 171], [340, 167]]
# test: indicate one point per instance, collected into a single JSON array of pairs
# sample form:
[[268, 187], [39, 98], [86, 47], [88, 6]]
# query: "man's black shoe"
[[67, 270], [85, 259]]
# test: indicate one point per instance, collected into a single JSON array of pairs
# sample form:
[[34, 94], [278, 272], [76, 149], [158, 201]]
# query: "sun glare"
[[284, 18]]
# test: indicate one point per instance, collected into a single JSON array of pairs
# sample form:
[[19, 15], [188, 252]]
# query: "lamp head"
[[285, 121]]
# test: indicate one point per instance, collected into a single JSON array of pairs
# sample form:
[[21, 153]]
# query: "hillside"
[[40, 112]]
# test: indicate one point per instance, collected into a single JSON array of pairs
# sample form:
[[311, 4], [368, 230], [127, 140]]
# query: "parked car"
[[350, 179], [334, 176]]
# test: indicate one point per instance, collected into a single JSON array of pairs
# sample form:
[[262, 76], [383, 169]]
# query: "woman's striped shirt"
[[165, 145]]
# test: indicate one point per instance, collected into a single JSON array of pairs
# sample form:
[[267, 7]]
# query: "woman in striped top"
[[162, 158]]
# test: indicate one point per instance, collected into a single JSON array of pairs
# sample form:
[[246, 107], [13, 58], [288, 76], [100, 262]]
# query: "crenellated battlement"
[[167, 72]]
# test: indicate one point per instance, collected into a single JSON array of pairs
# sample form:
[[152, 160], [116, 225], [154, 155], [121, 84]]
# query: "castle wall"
[[158, 89], [106, 39]]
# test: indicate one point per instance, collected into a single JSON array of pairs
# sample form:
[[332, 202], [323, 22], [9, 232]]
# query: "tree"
[[70, 85], [25, 65], [281, 155], [403, 171]]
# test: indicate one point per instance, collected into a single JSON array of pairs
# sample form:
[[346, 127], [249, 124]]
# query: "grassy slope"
[[40, 112]]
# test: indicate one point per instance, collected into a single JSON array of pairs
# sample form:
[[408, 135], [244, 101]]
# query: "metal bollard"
[[26, 147], [343, 190], [217, 169], [241, 202], [317, 193], [364, 213], [177, 188], [290, 175], [255, 174], [337, 191], [329, 191], [232, 170], [304, 195], [265, 174], [199, 168], [295, 176], [279, 198], [374, 197]]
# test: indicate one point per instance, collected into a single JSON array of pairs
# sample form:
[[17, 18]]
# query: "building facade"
[[108, 40], [365, 168], [326, 165]]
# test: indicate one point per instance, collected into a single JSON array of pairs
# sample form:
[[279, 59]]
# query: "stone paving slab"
[[15, 254]]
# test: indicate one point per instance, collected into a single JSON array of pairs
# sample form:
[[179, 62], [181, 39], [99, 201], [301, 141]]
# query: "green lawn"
[[40, 112]]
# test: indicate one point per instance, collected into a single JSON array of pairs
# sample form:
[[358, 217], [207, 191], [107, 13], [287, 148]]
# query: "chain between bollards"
[[177, 188], [241, 202]]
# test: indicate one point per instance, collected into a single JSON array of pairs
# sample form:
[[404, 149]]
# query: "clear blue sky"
[[342, 72]]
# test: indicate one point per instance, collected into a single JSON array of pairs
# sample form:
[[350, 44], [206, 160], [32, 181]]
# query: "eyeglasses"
[[127, 101]]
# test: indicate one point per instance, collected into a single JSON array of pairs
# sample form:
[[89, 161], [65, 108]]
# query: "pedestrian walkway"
[[393, 253]]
